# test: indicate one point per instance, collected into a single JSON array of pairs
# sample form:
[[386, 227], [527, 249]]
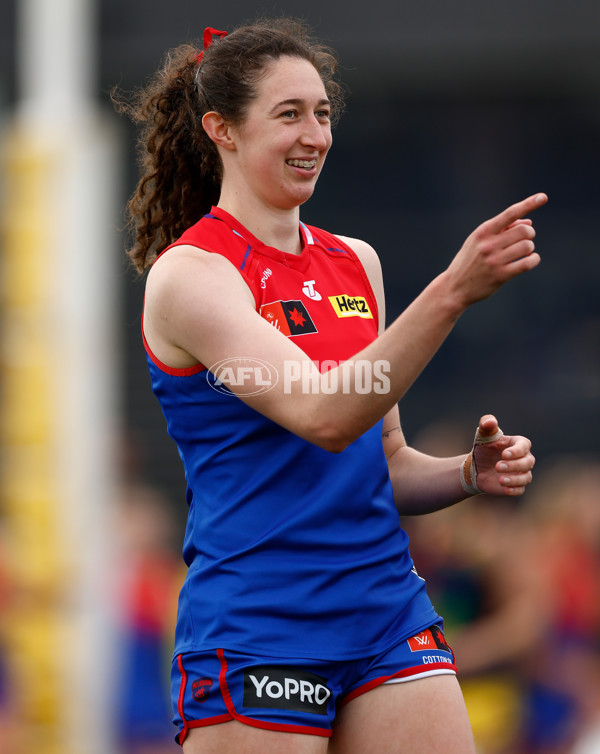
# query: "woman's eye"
[[289, 114], [323, 114]]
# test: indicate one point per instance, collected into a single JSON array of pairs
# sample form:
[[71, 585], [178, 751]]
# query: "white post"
[[59, 365]]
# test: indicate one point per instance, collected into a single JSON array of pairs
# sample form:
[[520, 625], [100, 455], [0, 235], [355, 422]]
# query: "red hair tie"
[[208, 37]]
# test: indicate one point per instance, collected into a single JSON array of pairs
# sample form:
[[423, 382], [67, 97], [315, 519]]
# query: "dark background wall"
[[456, 110]]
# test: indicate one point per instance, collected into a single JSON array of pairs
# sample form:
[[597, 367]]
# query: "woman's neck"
[[273, 226]]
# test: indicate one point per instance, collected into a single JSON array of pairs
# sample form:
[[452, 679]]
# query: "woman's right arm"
[[198, 308]]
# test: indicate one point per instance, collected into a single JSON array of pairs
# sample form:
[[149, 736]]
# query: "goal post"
[[59, 426]]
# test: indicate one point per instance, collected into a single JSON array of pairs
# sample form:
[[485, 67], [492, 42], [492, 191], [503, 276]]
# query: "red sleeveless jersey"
[[292, 551], [321, 298]]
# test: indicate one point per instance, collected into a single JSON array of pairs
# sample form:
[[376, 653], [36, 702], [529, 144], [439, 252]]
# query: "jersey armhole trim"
[[240, 268], [172, 371], [359, 265], [355, 258]]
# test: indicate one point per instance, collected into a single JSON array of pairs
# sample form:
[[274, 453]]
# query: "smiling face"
[[278, 151]]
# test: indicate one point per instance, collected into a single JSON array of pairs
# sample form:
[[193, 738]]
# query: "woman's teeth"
[[302, 163]]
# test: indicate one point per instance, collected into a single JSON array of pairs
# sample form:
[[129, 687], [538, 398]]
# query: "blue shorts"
[[292, 695]]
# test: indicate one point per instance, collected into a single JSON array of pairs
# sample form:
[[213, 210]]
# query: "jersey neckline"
[[299, 261]]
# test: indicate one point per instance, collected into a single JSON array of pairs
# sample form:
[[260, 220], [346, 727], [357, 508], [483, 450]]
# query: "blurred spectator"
[[564, 677], [518, 584], [150, 576]]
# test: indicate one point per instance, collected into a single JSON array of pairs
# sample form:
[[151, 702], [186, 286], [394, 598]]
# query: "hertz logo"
[[350, 306]]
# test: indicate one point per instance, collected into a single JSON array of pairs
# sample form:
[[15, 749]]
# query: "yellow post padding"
[[28, 488]]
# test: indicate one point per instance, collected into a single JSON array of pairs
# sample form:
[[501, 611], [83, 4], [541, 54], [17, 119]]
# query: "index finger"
[[515, 212]]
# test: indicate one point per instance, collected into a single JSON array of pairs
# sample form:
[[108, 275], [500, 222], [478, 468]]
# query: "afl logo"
[[242, 376]]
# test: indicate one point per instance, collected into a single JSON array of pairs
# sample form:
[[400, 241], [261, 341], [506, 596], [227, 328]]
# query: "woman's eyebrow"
[[297, 102]]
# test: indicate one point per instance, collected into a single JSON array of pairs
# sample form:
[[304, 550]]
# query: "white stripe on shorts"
[[424, 674]]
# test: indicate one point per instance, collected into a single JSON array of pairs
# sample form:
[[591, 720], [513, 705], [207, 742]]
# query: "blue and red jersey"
[[292, 551]]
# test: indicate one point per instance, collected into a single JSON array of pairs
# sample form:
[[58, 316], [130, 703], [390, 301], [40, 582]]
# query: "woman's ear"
[[218, 130]]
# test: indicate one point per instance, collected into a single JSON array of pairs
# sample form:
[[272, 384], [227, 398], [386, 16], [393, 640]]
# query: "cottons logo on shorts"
[[276, 687], [350, 306]]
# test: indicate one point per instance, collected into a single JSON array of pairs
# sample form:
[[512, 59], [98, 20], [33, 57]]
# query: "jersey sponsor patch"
[[277, 687], [350, 306], [431, 638], [290, 317], [310, 291]]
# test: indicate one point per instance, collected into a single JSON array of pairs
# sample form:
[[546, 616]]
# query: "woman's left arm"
[[423, 483]]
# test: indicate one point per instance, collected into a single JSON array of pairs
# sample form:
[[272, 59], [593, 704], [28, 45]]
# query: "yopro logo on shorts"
[[279, 687]]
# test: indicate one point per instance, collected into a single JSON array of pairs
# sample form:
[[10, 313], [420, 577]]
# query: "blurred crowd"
[[148, 572], [150, 577], [517, 580], [518, 583]]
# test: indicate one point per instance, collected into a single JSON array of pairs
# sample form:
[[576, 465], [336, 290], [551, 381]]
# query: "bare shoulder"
[[181, 261], [188, 271], [190, 293]]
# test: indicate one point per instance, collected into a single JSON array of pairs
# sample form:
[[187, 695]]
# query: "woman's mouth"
[[306, 164]]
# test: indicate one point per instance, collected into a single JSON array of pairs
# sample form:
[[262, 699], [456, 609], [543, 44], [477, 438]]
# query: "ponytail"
[[179, 164]]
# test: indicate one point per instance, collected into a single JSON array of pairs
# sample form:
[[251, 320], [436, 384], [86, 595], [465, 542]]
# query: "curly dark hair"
[[180, 167]]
